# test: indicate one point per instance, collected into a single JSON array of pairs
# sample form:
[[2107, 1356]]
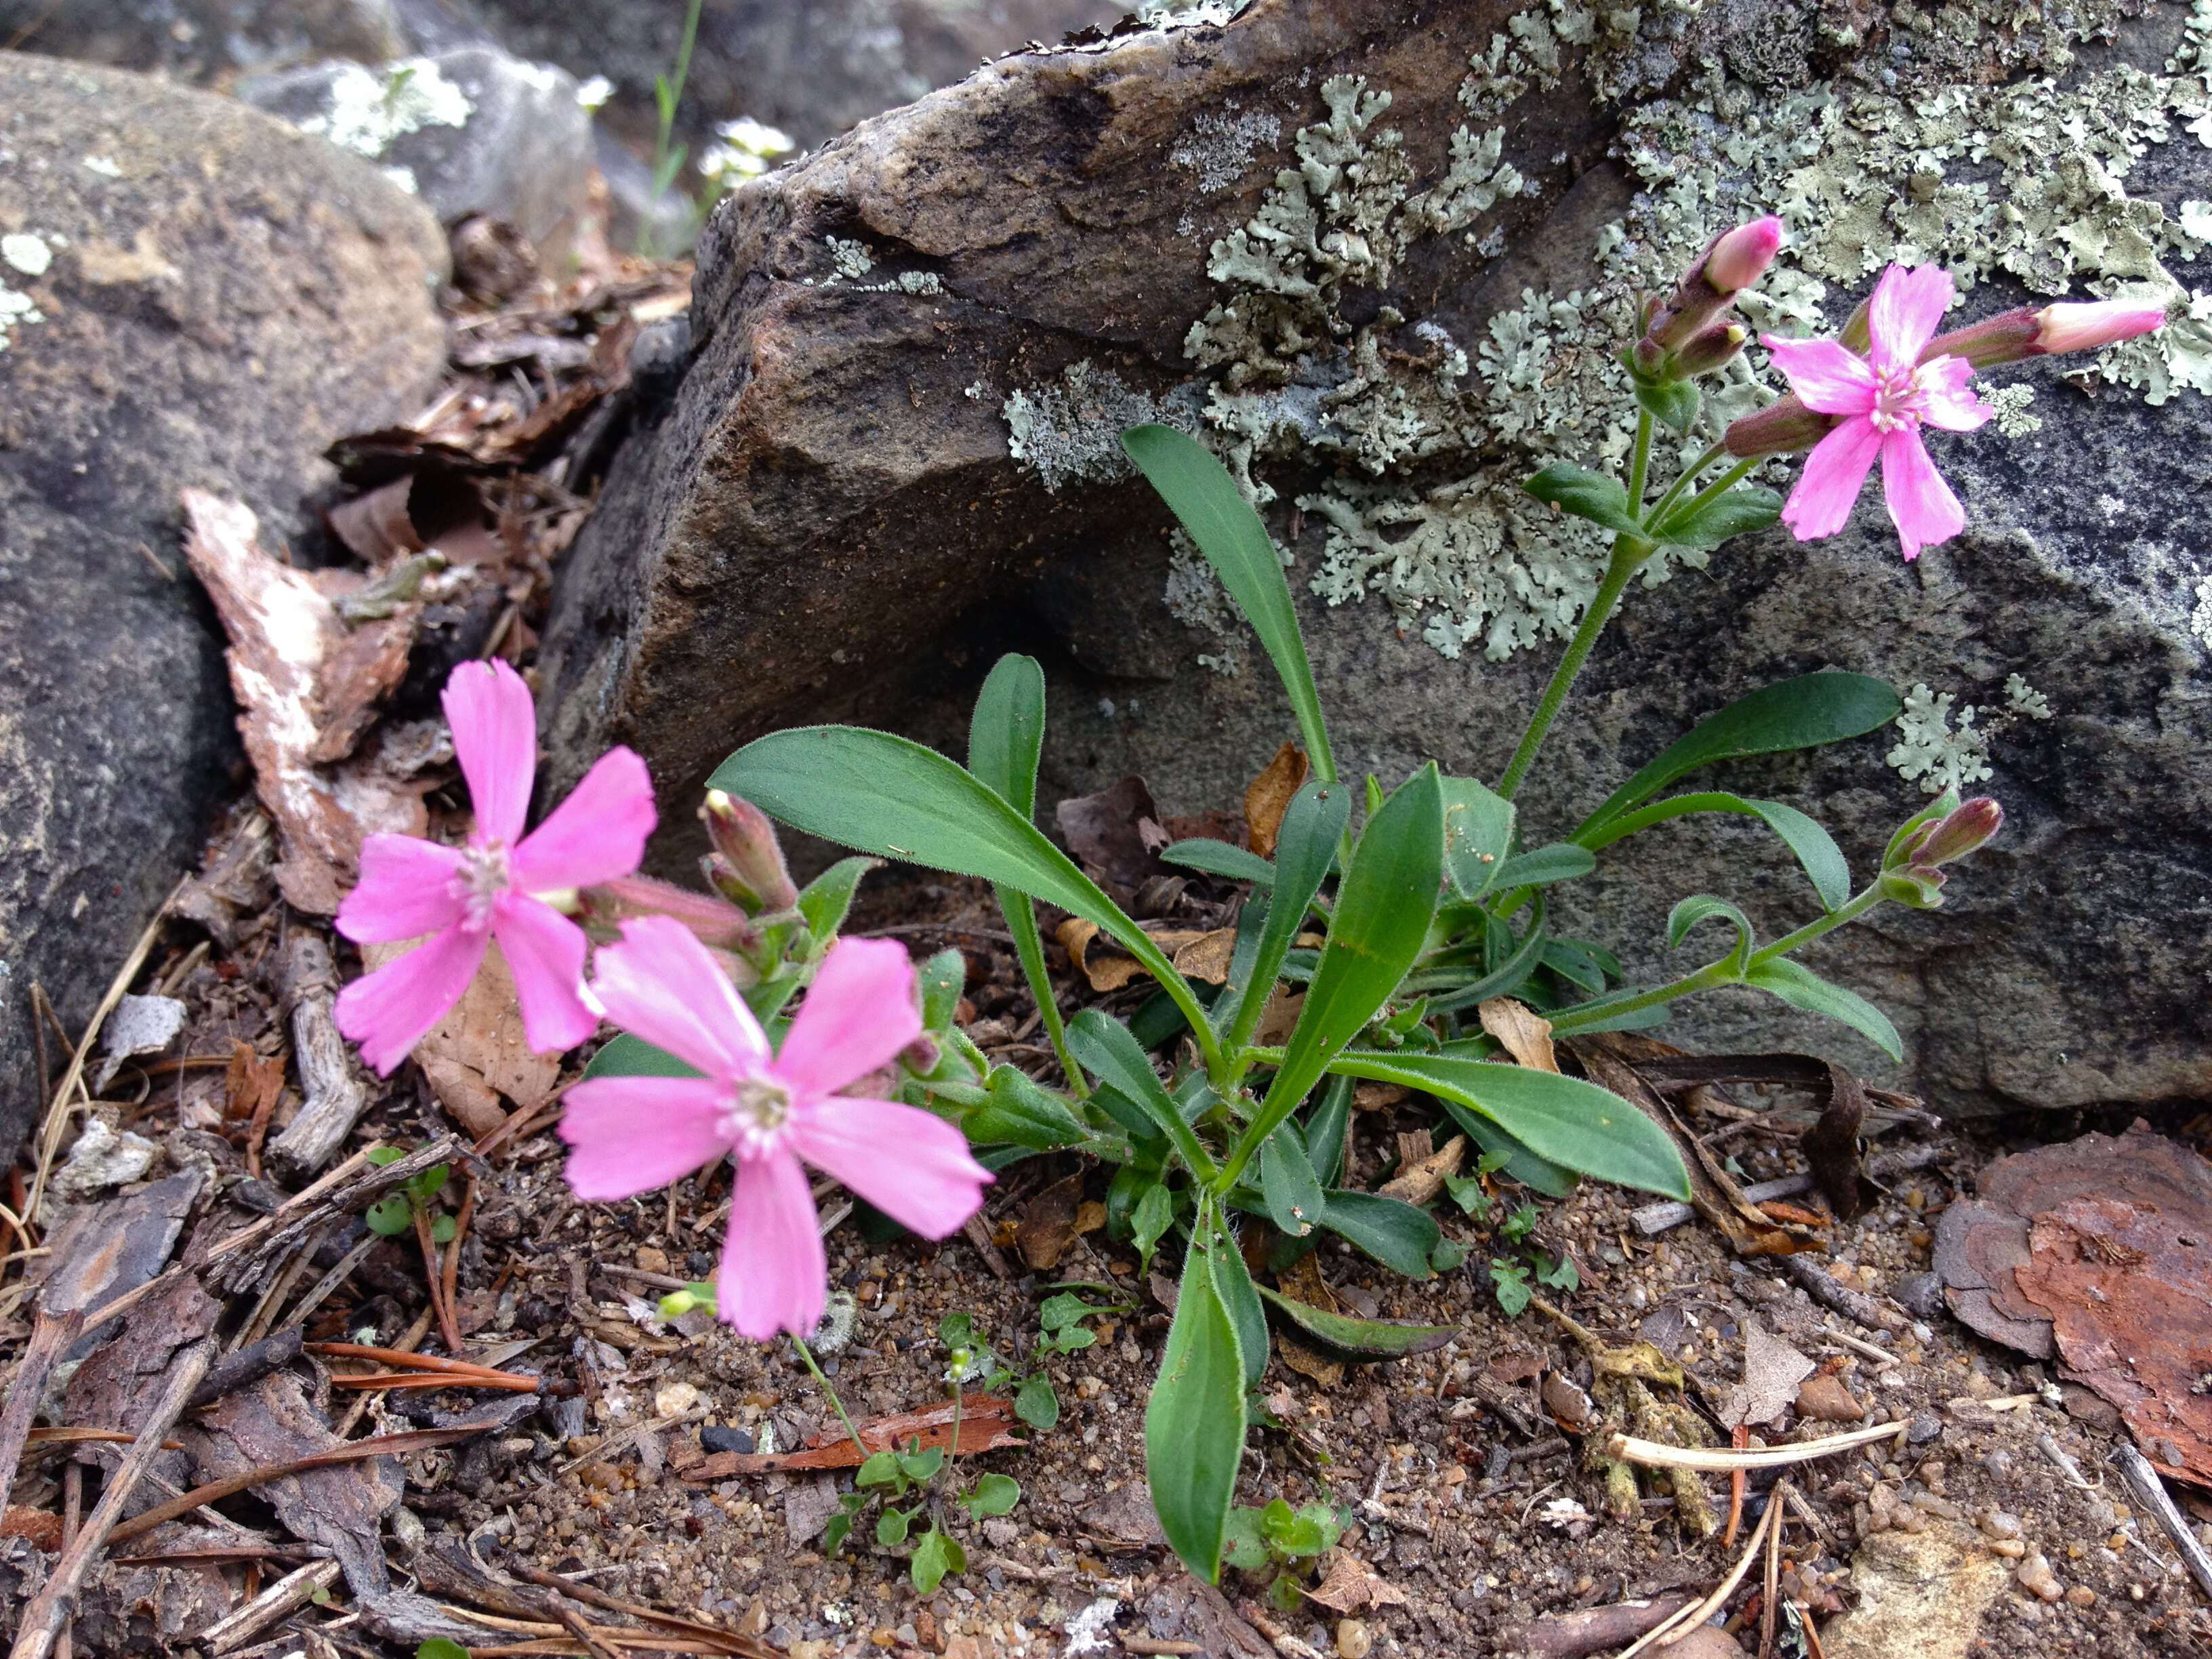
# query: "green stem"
[[836, 1405], [1640, 463], [1029, 946], [1728, 480], [1679, 484], [1629, 553], [1850, 910]]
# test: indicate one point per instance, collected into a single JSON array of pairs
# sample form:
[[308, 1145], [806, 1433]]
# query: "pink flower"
[[1884, 399], [631, 1134], [495, 886], [1739, 258], [2084, 327]]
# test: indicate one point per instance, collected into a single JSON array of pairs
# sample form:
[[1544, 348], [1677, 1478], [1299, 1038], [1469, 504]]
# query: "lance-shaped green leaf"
[[1737, 512], [1561, 861], [1194, 1419], [885, 795], [1795, 714], [1220, 858], [1801, 987], [1288, 1185], [1383, 908], [1232, 1282], [1587, 495], [1023, 1113], [1573, 1123], [1361, 1339], [1104, 1045], [1815, 848], [1478, 834], [1324, 1131], [1701, 907], [1390, 1229], [1539, 1174], [625, 1055], [1303, 846], [824, 900], [1199, 492]]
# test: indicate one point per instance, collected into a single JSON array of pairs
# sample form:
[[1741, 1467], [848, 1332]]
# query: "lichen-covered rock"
[[1385, 269], [192, 293]]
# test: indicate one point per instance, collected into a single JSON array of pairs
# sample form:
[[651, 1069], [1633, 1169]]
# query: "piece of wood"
[[293, 1590], [2143, 1481], [1593, 1630], [42, 1620], [331, 1083], [50, 1336], [987, 1423]]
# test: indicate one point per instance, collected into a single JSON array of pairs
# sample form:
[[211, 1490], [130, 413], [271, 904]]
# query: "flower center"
[[758, 1112], [1899, 400], [482, 877]]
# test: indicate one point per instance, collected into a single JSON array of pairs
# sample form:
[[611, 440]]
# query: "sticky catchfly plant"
[[768, 1111], [494, 886]]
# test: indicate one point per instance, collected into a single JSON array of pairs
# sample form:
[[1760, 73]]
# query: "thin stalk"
[[1640, 463], [1728, 480], [1629, 553], [1029, 947], [836, 1404], [1676, 488], [1850, 910]]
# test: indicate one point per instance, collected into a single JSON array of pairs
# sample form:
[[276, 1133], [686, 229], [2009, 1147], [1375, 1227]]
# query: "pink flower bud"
[[752, 871], [1740, 257], [2086, 327], [1783, 427], [1709, 351], [711, 920], [2004, 338], [1969, 825]]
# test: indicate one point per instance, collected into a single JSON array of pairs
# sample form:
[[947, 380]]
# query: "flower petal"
[[1908, 305], [860, 1011], [660, 984], [628, 1136], [1920, 502], [1829, 486], [774, 1277], [388, 1012], [1946, 401], [597, 833], [404, 892], [495, 727], [544, 951], [911, 1164], [1824, 376]]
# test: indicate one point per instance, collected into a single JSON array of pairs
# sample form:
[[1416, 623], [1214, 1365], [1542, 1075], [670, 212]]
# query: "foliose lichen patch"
[[370, 108]]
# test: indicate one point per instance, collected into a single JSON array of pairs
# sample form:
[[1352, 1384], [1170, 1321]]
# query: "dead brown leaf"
[[1349, 1583], [307, 690], [251, 1084], [1268, 796], [1526, 1034], [1050, 1222], [1115, 833], [477, 1052], [987, 1423], [1301, 1281], [42, 1526], [1374, 1097], [1279, 1018], [1771, 1372], [1207, 957], [1196, 953], [1419, 1182]]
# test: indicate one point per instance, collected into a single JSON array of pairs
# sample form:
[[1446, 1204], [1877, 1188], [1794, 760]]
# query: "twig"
[[411, 1339], [2064, 1461], [431, 1277], [1825, 1289], [50, 1336], [409, 1361], [2143, 1480], [598, 1598], [1773, 1587], [43, 1620], [295, 1589], [1653, 1219], [432, 1379], [329, 1282], [451, 1274], [567, 1614], [977, 1232], [1629, 1449], [1882, 1357], [333, 1097], [72, 1522], [1739, 1440], [1691, 1617]]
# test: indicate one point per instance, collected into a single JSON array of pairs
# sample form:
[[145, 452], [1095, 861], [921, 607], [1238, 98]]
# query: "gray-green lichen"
[[1070, 428]]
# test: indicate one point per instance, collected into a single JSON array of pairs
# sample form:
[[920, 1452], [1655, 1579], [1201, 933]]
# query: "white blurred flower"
[[743, 149], [595, 92]]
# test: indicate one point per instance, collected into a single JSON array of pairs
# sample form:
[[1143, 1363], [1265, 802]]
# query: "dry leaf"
[[1306, 1362], [1100, 959], [1107, 833], [1418, 1182], [1207, 957], [1526, 1035], [478, 1052], [1050, 1222], [1374, 1097], [1268, 796], [1771, 1372], [1279, 1018], [42, 1526], [251, 1083], [987, 1423], [1350, 1584], [1301, 1281], [306, 689]]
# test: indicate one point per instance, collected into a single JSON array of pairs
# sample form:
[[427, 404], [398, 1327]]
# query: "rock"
[[1353, 1639], [471, 131], [1707, 1642], [1825, 1400], [897, 436], [1921, 1596], [219, 298], [715, 1438], [206, 41], [1920, 1294]]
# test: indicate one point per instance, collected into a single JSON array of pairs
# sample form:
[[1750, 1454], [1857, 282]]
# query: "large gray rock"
[[204, 41], [195, 295], [894, 454]]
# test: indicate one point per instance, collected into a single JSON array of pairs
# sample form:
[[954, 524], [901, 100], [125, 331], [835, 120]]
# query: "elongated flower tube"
[[1732, 262], [497, 886], [1911, 873], [768, 1111]]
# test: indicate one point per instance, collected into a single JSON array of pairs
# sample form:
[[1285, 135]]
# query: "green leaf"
[[1383, 908], [1478, 834], [1587, 495], [1036, 1404], [425, 1185], [890, 1528], [1570, 1121], [380, 1155], [1304, 847], [880, 1469], [1737, 512], [625, 1055], [995, 1494], [1199, 492], [1220, 858], [1509, 1282], [1106, 1049], [1516, 1161], [442, 1230], [825, 901], [1153, 1215], [441, 1647], [1057, 1312], [940, 980], [1702, 906], [1324, 1131], [937, 1554], [1562, 861], [1024, 1113], [898, 800], [1393, 1231], [1801, 987], [1292, 1191], [390, 1216], [1795, 714], [1194, 1422], [1246, 1548], [1365, 1338], [1232, 1282], [1673, 403], [1815, 848], [1448, 1256], [1006, 732]]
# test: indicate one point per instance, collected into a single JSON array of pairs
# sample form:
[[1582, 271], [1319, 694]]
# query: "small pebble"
[[1353, 1640], [2038, 1580], [1998, 1524], [1926, 1425], [2082, 1596], [674, 1399], [1826, 1400], [716, 1438], [1706, 1642], [1920, 1293], [2009, 1546]]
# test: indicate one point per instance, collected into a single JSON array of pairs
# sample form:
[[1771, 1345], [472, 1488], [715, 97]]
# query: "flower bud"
[[1740, 257], [1966, 827], [1783, 427], [2086, 327], [921, 1055], [2004, 338], [1710, 350], [716, 923], [1856, 335], [752, 871]]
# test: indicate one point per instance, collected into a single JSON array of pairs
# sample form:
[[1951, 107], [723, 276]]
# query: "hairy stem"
[[1639, 462], [836, 1405], [1682, 483], [1629, 553]]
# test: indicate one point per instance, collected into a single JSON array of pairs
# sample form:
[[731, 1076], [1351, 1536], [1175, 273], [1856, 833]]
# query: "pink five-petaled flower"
[[631, 1134], [1884, 397], [466, 897]]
